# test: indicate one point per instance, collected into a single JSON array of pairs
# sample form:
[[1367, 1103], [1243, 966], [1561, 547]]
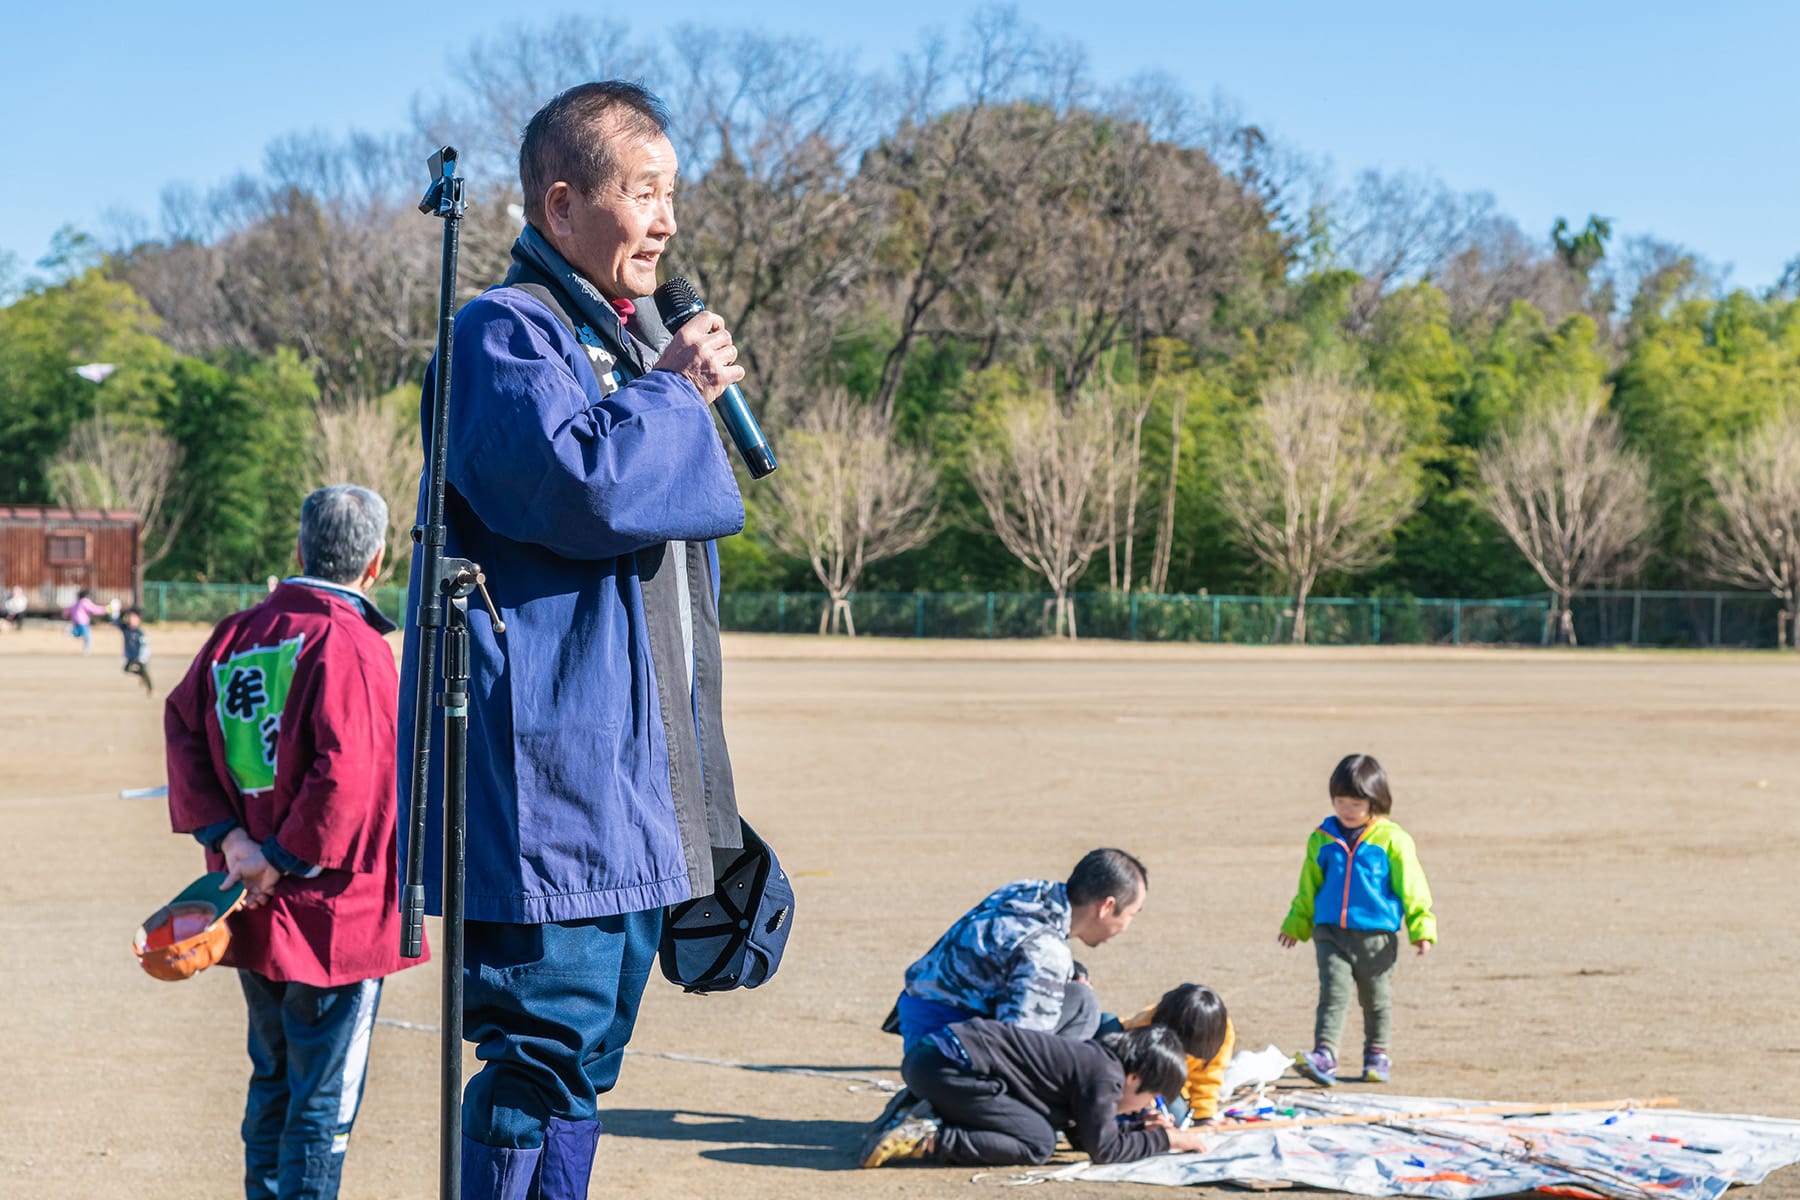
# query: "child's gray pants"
[[1359, 959]]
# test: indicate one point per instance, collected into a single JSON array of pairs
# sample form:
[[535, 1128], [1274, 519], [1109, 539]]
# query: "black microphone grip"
[[676, 303]]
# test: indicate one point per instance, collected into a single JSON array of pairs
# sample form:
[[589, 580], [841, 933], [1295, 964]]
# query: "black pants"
[[984, 1125]]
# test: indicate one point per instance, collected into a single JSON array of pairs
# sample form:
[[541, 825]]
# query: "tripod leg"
[[456, 737]]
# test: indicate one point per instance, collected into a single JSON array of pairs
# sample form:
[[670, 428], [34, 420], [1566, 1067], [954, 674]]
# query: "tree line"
[[1008, 327]]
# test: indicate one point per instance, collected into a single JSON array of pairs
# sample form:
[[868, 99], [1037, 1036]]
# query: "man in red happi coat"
[[281, 744]]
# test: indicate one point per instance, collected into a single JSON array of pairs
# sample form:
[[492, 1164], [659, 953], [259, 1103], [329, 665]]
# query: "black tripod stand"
[[445, 585]]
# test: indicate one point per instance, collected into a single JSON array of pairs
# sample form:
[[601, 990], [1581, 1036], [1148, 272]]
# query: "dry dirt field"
[[1611, 837]]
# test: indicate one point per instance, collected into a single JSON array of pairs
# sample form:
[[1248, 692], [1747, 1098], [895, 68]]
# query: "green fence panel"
[[1642, 618], [1650, 618]]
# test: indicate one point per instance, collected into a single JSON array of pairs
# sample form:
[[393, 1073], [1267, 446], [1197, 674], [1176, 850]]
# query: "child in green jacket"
[[1360, 883]]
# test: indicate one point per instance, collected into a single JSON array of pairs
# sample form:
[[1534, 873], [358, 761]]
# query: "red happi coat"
[[285, 725]]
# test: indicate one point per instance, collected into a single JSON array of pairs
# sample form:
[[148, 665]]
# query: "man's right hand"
[[244, 862], [702, 350]]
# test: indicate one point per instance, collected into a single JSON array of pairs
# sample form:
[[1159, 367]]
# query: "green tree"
[[1458, 386], [43, 337], [1581, 251], [243, 426], [1691, 381]]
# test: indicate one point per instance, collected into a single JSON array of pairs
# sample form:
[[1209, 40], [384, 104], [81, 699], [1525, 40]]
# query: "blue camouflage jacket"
[[1007, 958], [579, 502]]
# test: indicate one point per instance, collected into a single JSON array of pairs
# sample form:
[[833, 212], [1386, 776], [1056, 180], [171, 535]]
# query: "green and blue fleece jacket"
[[1372, 881]]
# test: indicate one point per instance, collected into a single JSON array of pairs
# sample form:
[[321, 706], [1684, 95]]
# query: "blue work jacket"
[[559, 491]]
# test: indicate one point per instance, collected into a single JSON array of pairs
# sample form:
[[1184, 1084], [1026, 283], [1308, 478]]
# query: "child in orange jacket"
[[1198, 1017]]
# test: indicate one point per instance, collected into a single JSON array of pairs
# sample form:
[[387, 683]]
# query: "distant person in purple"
[[81, 616]]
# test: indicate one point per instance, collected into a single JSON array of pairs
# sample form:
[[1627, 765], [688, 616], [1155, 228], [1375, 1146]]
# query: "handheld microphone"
[[676, 302]]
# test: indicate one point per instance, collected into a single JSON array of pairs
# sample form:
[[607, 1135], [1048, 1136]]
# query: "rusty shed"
[[55, 552]]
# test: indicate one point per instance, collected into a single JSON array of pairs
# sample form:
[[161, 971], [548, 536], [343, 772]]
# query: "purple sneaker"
[[1376, 1066], [1319, 1065]]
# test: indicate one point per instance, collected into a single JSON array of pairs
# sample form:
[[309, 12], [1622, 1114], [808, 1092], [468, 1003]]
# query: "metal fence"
[[1638, 618], [1141, 617], [208, 602], [1703, 619]]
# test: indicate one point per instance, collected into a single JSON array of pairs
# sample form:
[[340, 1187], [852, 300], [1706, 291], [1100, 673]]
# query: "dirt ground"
[[1611, 839]]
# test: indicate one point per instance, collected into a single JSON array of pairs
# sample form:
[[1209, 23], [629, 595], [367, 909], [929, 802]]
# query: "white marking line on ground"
[[875, 1081]]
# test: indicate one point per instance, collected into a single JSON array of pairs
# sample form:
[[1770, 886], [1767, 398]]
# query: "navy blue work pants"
[[549, 1009], [309, 1055]]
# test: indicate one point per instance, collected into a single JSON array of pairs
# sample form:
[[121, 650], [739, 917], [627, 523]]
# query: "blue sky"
[[1672, 119]]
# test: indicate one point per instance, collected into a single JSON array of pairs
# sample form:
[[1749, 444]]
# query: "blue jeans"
[[309, 1055], [549, 1008]]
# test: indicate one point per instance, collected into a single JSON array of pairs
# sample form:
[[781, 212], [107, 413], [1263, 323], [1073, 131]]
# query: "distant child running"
[[81, 616], [999, 1093], [1360, 883], [137, 646]]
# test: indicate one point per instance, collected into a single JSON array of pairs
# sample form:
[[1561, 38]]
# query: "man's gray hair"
[[341, 528]]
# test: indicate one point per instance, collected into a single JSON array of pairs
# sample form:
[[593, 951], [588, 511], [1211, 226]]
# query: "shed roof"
[[39, 514]]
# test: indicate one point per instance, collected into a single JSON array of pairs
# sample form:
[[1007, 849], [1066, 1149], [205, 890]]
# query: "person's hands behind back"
[[702, 351], [244, 861]]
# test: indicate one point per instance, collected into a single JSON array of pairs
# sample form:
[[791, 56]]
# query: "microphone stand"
[[445, 585]]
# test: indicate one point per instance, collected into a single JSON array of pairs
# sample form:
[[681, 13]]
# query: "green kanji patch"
[[252, 688]]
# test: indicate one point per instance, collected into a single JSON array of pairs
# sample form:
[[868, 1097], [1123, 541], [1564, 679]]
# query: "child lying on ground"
[[999, 1094], [1197, 1016]]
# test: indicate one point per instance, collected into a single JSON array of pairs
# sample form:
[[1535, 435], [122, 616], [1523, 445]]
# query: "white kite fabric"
[[1630, 1154]]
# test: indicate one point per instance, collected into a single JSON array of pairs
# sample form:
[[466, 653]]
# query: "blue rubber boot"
[[497, 1172], [568, 1160]]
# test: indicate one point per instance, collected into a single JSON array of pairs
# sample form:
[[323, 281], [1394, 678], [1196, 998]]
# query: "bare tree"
[[772, 234], [848, 495], [1752, 537], [1024, 217], [106, 465], [324, 252], [366, 443], [1043, 478], [1160, 357], [502, 80], [1569, 493], [1123, 413], [1398, 228], [1319, 481], [1135, 239], [980, 135], [1648, 277], [1498, 265], [1165, 526]]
